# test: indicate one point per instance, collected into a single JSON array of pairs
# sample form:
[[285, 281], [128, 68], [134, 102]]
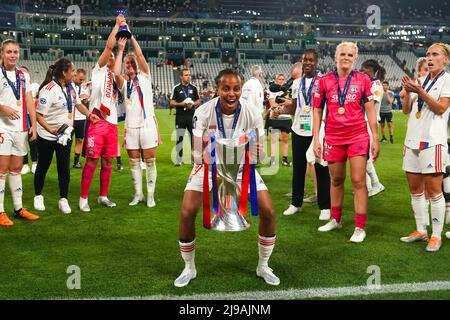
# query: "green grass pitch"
[[128, 252]]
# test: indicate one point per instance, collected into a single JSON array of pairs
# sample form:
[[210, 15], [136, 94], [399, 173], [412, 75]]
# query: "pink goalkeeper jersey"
[[350, 126]]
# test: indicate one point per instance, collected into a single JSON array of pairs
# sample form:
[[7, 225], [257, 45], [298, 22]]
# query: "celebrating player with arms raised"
[[101, 140], [141, 129]]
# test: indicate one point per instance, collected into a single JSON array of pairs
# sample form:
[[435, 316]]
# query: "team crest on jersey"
[[5, 84], [42, 101], [353, 89]]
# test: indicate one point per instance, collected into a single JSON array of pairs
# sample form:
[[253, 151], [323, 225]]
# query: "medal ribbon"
[[16, 88], [420, 102], [129, 88], [67, 94], [342, 96], [185, 90], [220, 119], [140, 94], [307, 96]]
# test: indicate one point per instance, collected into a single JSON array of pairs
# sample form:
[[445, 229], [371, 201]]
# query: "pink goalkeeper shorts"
[[340, 153], [101, 140]]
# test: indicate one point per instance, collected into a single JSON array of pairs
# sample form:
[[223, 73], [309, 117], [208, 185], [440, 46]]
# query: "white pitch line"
[[298, 294]]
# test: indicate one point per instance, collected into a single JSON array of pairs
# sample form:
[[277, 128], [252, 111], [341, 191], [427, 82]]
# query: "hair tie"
[[52, 67]]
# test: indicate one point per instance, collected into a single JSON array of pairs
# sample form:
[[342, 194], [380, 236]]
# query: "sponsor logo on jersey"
[[350, 97], [5, 84], [353, 89], [430, 166]]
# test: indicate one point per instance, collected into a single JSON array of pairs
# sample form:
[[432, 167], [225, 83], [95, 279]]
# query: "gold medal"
[[128, 103], [307, 108], [341, 110], [69, 115], [418, 114], [19, 103]]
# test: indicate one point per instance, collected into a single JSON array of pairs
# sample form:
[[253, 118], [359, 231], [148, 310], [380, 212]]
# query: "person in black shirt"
[[184, 98]]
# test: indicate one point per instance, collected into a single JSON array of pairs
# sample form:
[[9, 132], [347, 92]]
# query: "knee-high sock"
[[336, 214], [437, 214], [360, 220], [265, 248], [151, 176], [15, 185], [105, 179], [2, 191], [372, 173], [420, 208], [187, 250], [86, 178], [136, 175]]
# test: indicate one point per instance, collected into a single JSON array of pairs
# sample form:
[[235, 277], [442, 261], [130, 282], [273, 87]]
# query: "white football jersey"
[[430, 129], [98, 76], [205, 119], [52, 104], [81, 91], [303, 118], [8, 98], [253, 93], [134, 113]]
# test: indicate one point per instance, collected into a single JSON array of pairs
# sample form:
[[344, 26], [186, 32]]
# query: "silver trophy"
[[230, 159]]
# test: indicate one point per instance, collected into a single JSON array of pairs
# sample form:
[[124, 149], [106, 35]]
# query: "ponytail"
[[56, 71], [48, 77], [381, 73]]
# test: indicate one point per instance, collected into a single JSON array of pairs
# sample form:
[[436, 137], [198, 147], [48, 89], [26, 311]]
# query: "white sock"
[[419, 206], [372, 174], [136, 175], [2, 191], [188, 253], [368, 181], [15, 185], [265, 247], [151, 176], [437, 214]]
